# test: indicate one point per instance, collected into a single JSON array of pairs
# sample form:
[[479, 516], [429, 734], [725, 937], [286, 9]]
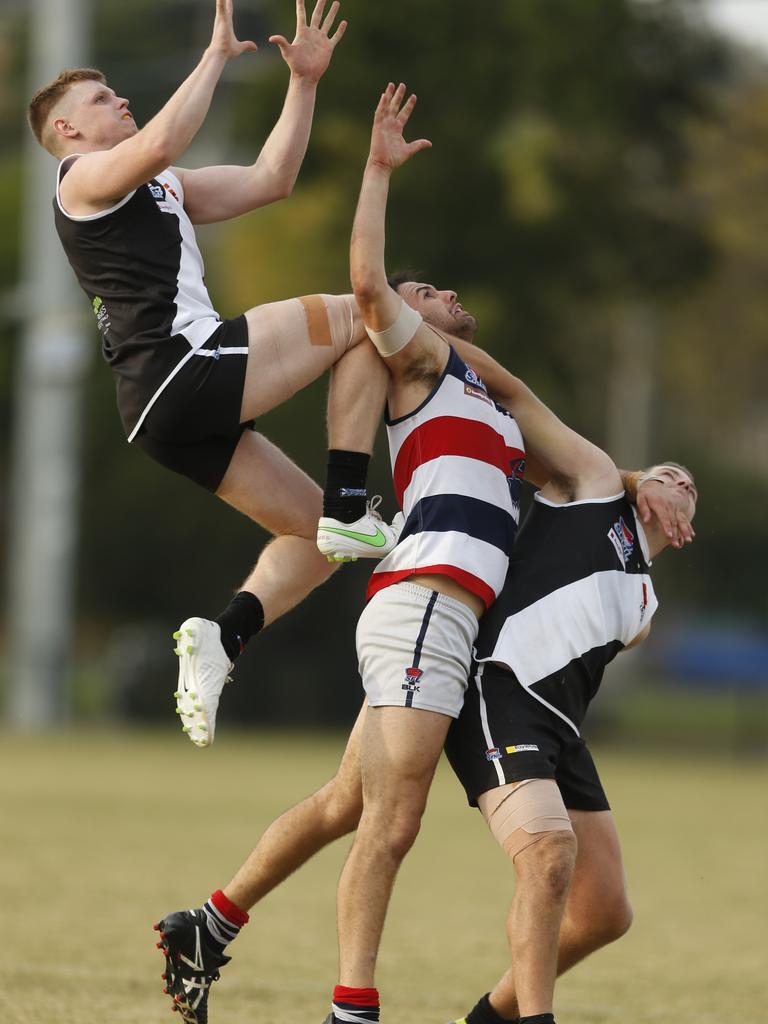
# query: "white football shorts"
[[414, 648]]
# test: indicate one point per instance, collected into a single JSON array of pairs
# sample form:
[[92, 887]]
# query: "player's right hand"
[[388, 147], [224, 41]]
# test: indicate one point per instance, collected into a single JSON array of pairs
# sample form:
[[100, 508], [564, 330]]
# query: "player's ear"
[[64, 127]]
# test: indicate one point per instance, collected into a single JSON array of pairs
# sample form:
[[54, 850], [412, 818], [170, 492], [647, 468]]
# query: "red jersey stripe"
[[380, 580], [451, 435]]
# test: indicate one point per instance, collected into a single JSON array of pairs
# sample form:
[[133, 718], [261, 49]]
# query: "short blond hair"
[[45, 99]]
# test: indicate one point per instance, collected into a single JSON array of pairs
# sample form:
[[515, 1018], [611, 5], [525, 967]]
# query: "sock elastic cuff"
[[538, 1018], [356, 996], [229, 909]]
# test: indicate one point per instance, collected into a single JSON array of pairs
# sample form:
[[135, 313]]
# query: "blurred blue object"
[[728, 657]]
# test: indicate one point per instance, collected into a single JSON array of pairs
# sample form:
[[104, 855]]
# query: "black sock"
[[483, 1013], [345, 492], [241, 619], [538, 1018]]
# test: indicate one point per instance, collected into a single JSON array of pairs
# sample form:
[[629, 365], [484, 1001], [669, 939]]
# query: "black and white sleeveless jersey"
[[578, 590], [139, 264]]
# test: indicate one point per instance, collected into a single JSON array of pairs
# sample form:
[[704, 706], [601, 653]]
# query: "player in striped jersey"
[[577, 593], [189, 385]]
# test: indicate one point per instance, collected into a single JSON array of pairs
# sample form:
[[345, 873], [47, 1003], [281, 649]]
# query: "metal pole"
[[46, 440]]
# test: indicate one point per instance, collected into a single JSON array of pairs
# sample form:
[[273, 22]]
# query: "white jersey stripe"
[[467, 553], [598, 609], [457, 474]]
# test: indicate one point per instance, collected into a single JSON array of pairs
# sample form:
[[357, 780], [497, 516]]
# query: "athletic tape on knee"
[[520, 813], [399, 334]]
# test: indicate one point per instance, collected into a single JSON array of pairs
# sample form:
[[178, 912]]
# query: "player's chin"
[[466, 327]]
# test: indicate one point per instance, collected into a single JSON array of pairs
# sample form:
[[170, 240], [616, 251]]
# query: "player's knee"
[[394, 833], [615, 920], [340, 806], [550, 860], [602, 921], [524, 814]]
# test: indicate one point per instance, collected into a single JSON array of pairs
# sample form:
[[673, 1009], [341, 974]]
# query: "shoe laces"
[[372, 505]]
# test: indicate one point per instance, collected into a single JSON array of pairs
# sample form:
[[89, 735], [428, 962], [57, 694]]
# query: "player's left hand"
[[655, 498], [388, 146], [312, 48]]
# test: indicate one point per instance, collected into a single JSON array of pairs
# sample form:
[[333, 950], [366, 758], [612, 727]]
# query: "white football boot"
[[203, 670], [367, 537]]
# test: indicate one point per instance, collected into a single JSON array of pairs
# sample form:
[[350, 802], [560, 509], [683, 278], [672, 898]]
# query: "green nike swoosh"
[[378, 540]]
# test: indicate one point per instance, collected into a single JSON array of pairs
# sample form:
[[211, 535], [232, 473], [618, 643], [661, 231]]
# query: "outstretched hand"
[[312, 48], [224, 40], [388, 147], [655, 498]]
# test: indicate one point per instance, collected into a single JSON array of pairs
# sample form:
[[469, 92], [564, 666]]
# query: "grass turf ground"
[[102, 832]]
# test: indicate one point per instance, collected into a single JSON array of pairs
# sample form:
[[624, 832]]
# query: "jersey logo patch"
[[471, 378], [476, 392], [622, 539], [168, 188], [520, 748], [412, 680], [157, 191], [493, 754]]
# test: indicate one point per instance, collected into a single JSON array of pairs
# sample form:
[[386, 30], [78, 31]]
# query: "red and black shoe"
[[191, 964]]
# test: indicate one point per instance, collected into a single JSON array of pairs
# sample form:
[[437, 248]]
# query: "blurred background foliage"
[[595, 193]]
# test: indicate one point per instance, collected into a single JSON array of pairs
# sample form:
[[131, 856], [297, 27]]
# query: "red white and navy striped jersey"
[[139, 264], [578, 591], [457, 463]]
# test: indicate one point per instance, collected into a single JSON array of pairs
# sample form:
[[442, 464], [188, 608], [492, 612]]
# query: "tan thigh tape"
[[291, 344], [520, 813]]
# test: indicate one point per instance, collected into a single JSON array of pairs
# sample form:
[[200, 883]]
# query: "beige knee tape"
[[520, 813]]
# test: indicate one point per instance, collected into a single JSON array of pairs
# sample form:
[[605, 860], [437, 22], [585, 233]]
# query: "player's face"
[[440, 309], [683, 487], [101, 117]]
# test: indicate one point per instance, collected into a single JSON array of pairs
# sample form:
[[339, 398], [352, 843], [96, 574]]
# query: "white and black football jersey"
[[578, 590], [139, 264]]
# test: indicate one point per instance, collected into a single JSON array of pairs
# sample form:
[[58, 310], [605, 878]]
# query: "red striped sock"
[[229, 909], [359, 1005]]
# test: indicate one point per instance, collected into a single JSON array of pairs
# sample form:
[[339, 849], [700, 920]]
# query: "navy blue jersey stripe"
[[480, 519], [420, 641]]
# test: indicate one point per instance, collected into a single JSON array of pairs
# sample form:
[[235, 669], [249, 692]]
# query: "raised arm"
[[564, 459], [219, 193], [381, 307], [100, 178]]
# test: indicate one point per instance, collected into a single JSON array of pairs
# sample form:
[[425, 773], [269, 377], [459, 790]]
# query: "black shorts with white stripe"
[[194, 425], [503, 735]]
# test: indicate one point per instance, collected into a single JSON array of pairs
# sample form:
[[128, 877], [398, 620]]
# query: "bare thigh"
[[291, 344], [265, 485], [400, 750], [598, 878]]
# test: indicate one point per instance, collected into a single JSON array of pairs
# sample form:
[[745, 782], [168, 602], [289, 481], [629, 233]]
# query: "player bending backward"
[[188, 384], [457, 460], [577, 593]]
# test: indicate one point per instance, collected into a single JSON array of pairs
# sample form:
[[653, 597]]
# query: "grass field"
[[101, 832]]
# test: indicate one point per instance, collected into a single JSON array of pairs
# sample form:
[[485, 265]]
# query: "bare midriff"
[[445, 585]]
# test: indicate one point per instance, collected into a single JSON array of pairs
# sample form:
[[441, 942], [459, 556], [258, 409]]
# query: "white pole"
[[46, 438], [629, 411]]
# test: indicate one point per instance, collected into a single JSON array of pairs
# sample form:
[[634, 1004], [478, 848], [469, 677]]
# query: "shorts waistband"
[[423, 595]]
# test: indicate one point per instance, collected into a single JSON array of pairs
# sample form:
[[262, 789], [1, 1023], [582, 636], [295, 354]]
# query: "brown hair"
[[45, 99]]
